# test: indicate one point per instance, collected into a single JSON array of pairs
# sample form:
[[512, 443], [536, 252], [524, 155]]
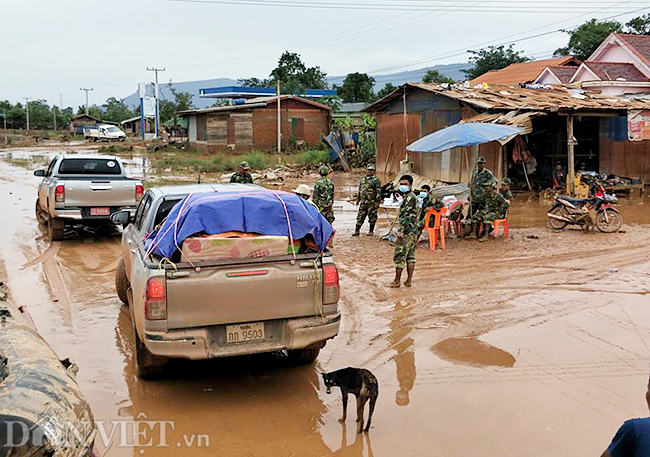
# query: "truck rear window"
[[89, 167]]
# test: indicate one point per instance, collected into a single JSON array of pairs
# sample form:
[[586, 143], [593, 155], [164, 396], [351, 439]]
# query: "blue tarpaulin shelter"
[[460, 135], [257, 210]]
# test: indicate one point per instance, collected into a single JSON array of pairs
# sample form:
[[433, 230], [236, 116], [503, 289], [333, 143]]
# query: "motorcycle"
[[579, 211]]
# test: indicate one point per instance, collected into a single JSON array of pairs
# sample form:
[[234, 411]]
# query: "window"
[[89, 167], [113, 129], [141, 212], [50, 168]]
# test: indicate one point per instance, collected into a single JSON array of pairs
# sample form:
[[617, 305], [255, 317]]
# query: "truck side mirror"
[[39, 173], [121, 218]]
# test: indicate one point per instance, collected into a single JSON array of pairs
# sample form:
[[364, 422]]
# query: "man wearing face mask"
[[409, 225]]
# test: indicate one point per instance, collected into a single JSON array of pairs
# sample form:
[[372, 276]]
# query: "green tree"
[[435, 77], [40, 115], [357, 87], [493, 58], [115, 110], [17, 117], [254, 82], [387, 89], [93, 111], [639, 25], [585, 39], [295, 77], [183, 100]]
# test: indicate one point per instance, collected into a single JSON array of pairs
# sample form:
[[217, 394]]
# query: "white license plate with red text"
[[100, 211], [245, 332]]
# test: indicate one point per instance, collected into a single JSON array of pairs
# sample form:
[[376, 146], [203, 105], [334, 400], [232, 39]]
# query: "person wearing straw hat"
[[304, 192], [242, 176]]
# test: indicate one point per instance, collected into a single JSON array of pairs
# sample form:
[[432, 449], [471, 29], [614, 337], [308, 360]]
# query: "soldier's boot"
[[410, 268], [398, 277], [357, 231], [372, 230]]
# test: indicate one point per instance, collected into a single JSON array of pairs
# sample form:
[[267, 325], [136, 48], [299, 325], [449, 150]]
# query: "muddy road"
[[536, 345]]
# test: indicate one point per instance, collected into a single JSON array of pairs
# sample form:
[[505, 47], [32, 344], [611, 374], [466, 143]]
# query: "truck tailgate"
[[99, 193], [242, 293]]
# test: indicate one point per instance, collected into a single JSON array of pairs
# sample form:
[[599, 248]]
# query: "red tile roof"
[[640, 45], [525, 72], [611, 71], [563, 73]]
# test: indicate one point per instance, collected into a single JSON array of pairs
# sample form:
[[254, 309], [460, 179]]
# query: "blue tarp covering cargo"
[[254, 210]]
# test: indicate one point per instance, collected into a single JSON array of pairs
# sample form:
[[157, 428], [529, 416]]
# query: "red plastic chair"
[[450, 225], [436, 229], [498, 223]]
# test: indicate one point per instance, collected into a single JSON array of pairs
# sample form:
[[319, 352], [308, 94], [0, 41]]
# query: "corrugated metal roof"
[[514, 118], [256, 103], [553, 99], [521, 73]]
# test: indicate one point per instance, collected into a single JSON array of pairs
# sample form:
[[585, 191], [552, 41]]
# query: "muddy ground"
[[536, 345]]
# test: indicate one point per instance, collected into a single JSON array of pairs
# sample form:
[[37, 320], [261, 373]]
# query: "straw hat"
[[302, 189]]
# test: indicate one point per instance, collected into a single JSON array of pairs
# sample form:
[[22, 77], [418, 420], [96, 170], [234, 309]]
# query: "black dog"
[[359, 382]]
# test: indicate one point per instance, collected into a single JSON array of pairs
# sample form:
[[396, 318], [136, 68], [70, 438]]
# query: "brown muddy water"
[[525, 346]]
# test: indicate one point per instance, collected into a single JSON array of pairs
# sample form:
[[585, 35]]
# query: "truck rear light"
[[139, 191], [155, 303], [59, 193], [330, 284]]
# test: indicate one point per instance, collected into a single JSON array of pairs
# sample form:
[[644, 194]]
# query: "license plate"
[[100, 211], [245, 332]]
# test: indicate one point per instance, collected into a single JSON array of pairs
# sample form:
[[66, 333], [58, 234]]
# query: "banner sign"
[[638, 125]]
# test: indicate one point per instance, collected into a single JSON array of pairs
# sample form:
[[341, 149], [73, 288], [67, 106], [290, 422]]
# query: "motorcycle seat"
[[574, 201]]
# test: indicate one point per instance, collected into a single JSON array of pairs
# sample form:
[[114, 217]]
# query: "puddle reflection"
[[471, 351]]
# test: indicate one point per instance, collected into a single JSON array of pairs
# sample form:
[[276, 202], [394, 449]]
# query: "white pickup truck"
[[104, 132], [84, 189], [211, 309]]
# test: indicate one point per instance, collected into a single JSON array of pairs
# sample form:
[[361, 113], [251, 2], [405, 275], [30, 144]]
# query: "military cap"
[[371, 166], [323, 170], [244, 165], [481, 159], [506, 182]]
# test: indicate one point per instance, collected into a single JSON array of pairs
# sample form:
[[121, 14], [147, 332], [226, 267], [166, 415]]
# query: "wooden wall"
[[620, 156]]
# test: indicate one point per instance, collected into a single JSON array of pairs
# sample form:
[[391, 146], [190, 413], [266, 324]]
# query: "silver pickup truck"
[[221, 308], [84, 189]]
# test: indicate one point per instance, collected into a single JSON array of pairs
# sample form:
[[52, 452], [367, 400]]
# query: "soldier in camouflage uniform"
[[368, 199], [242, 176], [494, 207], [481, 176], [407, 235], [505, 189], [324, 194]]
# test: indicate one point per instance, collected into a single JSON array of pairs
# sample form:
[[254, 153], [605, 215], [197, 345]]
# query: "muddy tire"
[[147, 365], [303, 356], [41, 217], [56, 234], [610, 225], [122, 282], [554, 223]]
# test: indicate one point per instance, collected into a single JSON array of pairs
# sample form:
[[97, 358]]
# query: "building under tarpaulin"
[[597, 125]]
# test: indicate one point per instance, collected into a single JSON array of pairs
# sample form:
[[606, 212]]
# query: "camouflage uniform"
[[324, 197], [480, 179], [240, 178], [428, 203], [368, 199], [409, 226], [495, 206]]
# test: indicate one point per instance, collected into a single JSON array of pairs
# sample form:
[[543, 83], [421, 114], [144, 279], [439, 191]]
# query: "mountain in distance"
[[397, 79]]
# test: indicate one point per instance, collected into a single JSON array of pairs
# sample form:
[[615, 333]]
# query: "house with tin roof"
[[522, 73]]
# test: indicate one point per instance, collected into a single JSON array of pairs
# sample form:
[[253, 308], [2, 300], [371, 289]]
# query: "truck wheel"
[[304, 356], [122, 282], [40, 214], [147, 365], [56, 234]]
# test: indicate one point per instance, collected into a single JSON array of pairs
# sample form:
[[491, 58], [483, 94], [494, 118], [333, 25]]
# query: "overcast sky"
[[51, 48]]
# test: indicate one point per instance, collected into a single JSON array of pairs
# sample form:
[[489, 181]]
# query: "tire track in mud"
[[58, 286]]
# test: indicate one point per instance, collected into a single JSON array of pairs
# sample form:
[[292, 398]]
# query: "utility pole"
[[86, 90], [5, 121], [27, 99], [156, 70], [279, 122], [54, 112]]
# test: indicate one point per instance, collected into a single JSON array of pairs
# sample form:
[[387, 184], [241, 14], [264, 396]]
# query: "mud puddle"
[[569, 308]]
